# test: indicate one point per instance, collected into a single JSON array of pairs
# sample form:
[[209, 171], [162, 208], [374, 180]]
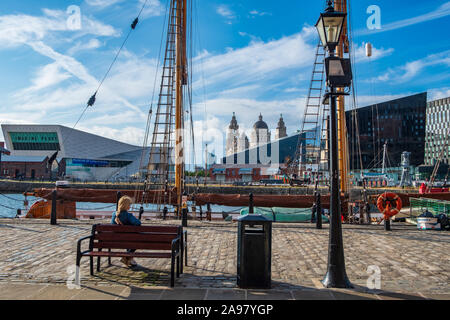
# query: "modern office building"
[[399, 123], [266, 160], [437, 132], [81, 155]]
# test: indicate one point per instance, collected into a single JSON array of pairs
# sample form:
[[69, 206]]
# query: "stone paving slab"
[[410, 261], [108, 292]]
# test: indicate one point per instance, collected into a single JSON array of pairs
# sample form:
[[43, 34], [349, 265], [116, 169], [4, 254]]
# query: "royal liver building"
[[259, 135]]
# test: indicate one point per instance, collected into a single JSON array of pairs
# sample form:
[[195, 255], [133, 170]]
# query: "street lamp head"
[[329, 27]]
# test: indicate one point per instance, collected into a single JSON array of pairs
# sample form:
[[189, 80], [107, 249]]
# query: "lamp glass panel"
[[321, 31], [335, 68], [333, 27]]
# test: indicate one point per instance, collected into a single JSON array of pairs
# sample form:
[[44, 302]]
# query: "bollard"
[[313, 213], [387, 224], [165, 211], [208, 211], [319, 212], [314, 208], [141, 211], [201, 213], [184, 217], [250, 205], [368, 217], [53, 213], [119, 195]]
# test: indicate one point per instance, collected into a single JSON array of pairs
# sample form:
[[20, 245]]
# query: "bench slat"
[[126, 254], [133, 229], [133, 245], [135, 237]]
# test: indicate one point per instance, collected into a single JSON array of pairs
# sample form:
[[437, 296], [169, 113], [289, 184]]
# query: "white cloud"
[[20, 29], [259, 62], [226, 12], [438, 93], [102, 3], [411, 69], [82, 46], [259, 13], [153, 8], [48, 76]]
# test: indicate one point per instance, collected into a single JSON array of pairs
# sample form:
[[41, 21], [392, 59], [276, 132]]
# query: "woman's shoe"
[[133, 263], [126, 261]]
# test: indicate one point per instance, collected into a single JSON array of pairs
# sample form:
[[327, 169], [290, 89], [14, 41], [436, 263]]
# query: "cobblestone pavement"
[[412, 262]]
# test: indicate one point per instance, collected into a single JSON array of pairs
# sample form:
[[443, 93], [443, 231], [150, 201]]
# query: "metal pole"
[[250, 206], [141, 211], [184, 217], [336, 276], [53, 213], [314, 209], [387, 224], [319, 212]]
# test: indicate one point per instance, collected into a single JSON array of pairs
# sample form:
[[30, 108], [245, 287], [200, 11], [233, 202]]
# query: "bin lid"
[[253, 218]]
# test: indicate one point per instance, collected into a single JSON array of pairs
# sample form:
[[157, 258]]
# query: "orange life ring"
[[384, 204]]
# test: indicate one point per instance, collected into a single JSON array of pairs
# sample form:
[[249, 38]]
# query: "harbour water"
[[9, 203]]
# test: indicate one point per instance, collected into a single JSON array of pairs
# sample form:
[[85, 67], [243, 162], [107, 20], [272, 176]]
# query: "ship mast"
[[343, 47], [181, 80]]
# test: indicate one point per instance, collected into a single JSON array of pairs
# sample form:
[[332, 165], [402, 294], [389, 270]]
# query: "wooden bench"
[[150, 241]]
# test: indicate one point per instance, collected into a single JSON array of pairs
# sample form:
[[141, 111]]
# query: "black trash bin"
[[254, 252]]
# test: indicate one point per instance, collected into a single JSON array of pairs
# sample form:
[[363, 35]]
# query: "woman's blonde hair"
[[124, 204]]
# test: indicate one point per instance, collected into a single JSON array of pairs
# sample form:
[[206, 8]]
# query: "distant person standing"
[[123, 217]]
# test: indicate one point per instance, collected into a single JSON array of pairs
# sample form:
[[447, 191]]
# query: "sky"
[[249, 57]]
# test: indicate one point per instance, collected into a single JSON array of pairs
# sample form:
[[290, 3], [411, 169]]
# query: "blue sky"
[[250, 57]]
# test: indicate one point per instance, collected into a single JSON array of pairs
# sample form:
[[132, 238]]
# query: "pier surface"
[[37, 262]]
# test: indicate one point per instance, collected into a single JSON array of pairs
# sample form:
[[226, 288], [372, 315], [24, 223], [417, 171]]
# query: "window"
[[35, 141]]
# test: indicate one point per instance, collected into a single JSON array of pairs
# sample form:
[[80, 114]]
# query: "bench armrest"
[[185, 238], [176, 245], [79, 243]]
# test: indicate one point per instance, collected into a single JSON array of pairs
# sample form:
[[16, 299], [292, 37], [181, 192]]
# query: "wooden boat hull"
[[42, 209]]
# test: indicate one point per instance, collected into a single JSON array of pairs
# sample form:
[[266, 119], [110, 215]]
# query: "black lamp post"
[[330, 26]]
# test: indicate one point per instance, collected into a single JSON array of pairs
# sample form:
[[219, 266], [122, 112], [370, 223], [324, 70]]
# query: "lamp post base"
[[334, 279]]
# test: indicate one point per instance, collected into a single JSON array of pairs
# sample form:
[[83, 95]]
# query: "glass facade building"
[[399, 123], [437, 131], [47, 141]]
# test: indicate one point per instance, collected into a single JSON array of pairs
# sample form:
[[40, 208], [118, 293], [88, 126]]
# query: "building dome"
[[260, 124]]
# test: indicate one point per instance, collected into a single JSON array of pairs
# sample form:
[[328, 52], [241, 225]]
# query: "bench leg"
[[185, 249], [98, 262], [91, 265], [181, 264], [172, 266], [77, 270]]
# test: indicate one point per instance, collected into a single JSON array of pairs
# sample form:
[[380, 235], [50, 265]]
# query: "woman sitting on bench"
[[122, 216]]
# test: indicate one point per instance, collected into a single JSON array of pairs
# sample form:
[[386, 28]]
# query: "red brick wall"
[[232, 174], [24, 169]]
